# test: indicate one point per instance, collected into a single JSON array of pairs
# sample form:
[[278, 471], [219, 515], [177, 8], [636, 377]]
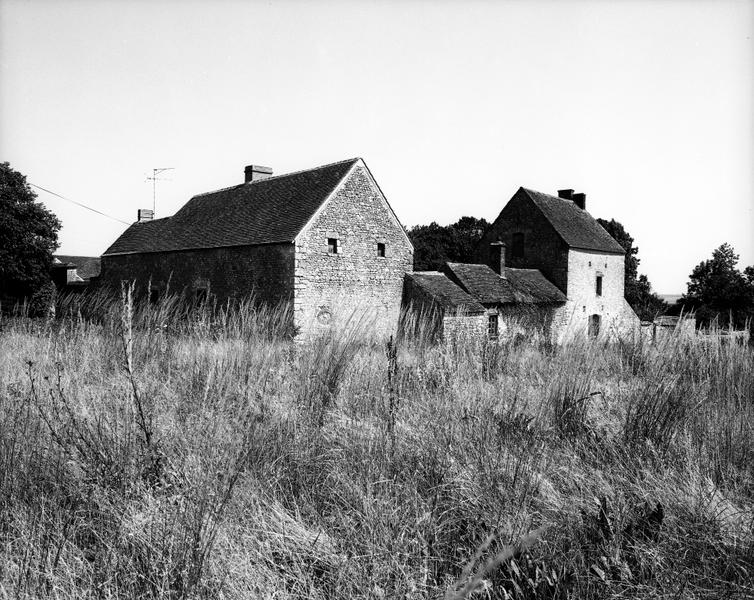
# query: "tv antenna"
[[154, 179]]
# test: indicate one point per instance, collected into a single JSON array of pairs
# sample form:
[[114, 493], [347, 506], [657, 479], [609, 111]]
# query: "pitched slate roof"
[[262, 212], [444, 292], [86, 266], [518, 286], [576, 226]]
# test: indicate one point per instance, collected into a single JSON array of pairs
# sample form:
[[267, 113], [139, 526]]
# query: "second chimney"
[[144, 214], [565, 194], [497, 257], [255, 173], [580, 200]]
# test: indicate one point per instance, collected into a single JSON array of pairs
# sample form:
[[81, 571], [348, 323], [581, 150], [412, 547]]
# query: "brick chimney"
[[565, 194], [497, 257], [255, 173], [144, 214]]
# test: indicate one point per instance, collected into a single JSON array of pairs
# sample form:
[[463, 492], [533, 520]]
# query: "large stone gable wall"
[[617, 317], [543, 247], [235, 272], [354, 284]]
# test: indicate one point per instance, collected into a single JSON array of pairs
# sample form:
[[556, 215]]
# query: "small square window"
[[380, 249], [599, 285], [332, 245]]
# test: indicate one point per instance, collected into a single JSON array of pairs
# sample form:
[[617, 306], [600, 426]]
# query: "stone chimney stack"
[[144, 214], [497, 257], [580, 201], [254, 173]]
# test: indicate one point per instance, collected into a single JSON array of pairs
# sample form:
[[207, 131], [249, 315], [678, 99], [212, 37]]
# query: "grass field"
[[150, 454]]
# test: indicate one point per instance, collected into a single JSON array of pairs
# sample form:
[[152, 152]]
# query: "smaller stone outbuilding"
[[520, 298], [74, 273], [435, 307]]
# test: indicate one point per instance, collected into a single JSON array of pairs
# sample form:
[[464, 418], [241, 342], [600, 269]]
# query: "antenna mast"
[[154, 179]]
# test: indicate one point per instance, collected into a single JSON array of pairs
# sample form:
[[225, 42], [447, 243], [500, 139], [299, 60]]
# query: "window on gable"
[[332, 245], [599, 285], [380, 249], [517, 247]]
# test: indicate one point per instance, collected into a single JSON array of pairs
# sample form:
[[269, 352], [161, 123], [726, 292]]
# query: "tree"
[[638, 291], [718, 291], [28, 237], [434, 244]]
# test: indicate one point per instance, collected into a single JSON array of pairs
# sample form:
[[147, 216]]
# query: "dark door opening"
[[594, 325]]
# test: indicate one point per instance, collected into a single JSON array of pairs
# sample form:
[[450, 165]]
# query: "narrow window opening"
[[517, 247], [332, 245], [492, 326], [200, 295], [599, 285], [154, 296], [380, 249]]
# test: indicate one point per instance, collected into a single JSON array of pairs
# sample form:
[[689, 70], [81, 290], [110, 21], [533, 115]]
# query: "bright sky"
[[646, 106]]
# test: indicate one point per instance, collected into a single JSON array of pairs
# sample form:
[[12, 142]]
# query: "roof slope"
[[444, 292], [518, 286], [86, 266], [576, 226], [262, 212]]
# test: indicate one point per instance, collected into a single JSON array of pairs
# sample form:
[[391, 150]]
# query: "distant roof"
[[86, 266], [444, 292], [576, 226], [518, 286], [261, 212]]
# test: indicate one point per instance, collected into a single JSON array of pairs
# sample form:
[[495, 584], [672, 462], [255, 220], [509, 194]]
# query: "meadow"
[[166, 452]]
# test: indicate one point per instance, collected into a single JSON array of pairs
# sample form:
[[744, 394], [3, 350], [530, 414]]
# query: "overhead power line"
[[99, 212]]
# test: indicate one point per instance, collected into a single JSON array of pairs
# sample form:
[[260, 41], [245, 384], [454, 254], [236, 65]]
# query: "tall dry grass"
[[169, 451]]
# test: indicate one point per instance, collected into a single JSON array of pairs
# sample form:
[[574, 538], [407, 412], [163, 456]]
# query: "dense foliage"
[[638, 293], [719, 293], [28, 238], [434, 244], [155, 453]]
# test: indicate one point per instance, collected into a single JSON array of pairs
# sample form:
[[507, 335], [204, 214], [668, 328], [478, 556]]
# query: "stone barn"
[[323, 241]]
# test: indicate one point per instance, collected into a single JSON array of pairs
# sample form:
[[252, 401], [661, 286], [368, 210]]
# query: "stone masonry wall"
[[465, 327], [617, 317], [235, 272], [355, 285]]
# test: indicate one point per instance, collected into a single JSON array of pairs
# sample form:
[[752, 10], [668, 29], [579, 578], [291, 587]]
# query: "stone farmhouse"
[[323, 241], [546, 262]]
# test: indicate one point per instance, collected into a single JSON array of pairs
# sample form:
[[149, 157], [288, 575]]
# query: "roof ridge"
[[240, 185]]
